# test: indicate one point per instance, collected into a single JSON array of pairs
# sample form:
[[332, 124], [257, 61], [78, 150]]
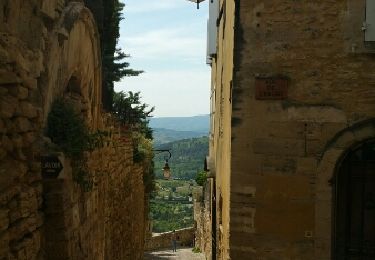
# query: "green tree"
[[201, 178], [108, 15], [129, 110]]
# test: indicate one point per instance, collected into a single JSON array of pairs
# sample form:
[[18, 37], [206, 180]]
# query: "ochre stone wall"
[[283, 153], [50, 49], [220, 147], [164, 240], [107, 222], [202, 219]]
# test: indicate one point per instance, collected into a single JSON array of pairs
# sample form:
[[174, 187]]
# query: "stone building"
[[50, 49], [292, 145]]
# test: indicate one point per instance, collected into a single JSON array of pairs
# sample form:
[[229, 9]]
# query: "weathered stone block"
[[306, 165], [4, 220], [7, 143], [314, 147], [28, 138], [8, 77], [288, 147], [317, 114], [30, 83], [9, 126], [17, 141], [10, 171], [7, 194], [19, 91], [4, 245], [3, 91], [14, 215], [22, 124], [2, 127], [8, 106], [3, 153], [24, 226], [49, 8], [27, 203], [277, 165], [294, 130], [28, 110]]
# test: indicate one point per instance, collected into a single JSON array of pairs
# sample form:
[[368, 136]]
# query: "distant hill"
[[187, 157], [162, 135], [195, 124]]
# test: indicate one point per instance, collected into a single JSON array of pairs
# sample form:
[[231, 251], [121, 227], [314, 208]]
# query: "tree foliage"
[[108, 15], [201, 178], [167, 216], [129, 110], [66, 128]]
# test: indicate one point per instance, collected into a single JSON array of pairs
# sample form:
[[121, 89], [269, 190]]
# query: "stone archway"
[[354, 204], [73, 72], [74, 58], [334, 154]]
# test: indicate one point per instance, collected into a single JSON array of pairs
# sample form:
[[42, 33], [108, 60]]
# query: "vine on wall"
[[68, 130]]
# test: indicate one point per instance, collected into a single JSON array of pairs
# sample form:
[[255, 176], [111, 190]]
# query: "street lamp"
[[196, 1], [166, 168]]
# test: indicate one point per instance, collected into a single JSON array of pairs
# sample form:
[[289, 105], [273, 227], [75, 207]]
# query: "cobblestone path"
[[181, 254]]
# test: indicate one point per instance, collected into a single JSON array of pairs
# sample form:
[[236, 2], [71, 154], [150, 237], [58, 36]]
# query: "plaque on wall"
[[271, 88], [51, 166]]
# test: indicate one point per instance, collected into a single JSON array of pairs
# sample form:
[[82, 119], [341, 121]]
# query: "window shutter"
[[212, 29], [369, 26]]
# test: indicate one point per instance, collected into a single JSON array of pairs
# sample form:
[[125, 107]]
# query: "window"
[[369, 24], [354, 194]]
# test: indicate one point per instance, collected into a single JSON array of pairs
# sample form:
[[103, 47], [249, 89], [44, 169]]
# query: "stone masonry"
[[50, 49], [275, 157], [164, 240], [202, 219]]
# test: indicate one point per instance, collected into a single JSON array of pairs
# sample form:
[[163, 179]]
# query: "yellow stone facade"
[[50, 49], [275, 159]]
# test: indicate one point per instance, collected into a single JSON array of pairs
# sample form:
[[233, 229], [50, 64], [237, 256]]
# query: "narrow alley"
[[181, 254]]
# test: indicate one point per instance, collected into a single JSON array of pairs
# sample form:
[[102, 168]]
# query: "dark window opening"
[[354, 212]]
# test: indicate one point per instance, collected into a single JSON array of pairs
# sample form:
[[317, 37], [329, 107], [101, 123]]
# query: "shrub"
[[68, 131], [201, 178]]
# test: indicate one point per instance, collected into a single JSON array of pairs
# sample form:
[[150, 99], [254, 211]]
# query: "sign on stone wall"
[[271, 88], [51, 166]]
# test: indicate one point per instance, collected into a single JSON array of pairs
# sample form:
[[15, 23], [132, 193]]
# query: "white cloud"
[[167, 39], [151, 6], [164, 44], [173, 93]]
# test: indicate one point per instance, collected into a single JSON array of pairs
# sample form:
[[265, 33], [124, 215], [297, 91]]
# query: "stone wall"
[[50, 49], [164, 240], [108, 222], [220, 141], [203, 219], [281, 153], [277, 144]]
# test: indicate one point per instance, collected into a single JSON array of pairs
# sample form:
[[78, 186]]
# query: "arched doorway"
[[354, 205]]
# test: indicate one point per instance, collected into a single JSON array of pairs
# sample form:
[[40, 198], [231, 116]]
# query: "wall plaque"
[[271, 88], [51, 166]]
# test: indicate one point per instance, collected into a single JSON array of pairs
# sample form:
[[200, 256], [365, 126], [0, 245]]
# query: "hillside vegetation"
[[188, 141], [194, 123], [162, 135], [187, 157]]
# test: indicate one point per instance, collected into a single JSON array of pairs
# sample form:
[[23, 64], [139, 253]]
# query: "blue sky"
[[167, 39]]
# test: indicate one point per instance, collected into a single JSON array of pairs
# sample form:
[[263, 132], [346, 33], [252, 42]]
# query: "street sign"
[[51, 166], [271, 88]]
